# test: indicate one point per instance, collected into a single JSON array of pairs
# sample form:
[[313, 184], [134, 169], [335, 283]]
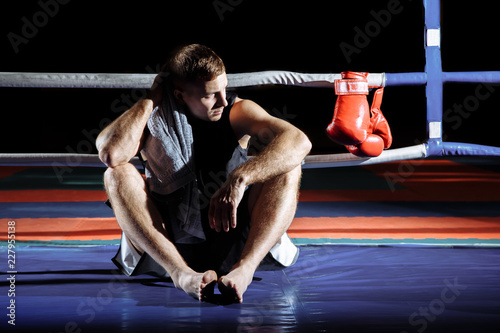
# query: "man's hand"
[[224, 205], [155, 93]]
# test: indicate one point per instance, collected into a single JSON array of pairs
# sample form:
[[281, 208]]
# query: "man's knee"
[[288, 183], [115, 177], [291, 179]]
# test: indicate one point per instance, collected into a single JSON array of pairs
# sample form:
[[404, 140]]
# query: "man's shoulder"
[[245, 105]]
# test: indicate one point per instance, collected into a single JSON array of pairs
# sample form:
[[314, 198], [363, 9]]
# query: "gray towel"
[[170, 165]]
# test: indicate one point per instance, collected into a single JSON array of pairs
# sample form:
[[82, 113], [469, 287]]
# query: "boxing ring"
[[401, 242]]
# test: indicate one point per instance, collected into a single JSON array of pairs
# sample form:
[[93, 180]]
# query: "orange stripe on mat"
[[52, 195], [47, 229], [395, 227]]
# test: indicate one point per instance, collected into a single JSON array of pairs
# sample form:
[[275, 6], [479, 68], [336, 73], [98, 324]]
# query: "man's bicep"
[[249, 118]]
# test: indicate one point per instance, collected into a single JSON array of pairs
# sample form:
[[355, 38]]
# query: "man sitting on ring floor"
[[206, 213]]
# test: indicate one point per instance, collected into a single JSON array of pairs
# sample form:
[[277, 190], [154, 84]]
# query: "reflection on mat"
[[331, 288]]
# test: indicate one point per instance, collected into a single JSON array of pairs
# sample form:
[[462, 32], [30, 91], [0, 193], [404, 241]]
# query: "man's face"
[[205, 99]]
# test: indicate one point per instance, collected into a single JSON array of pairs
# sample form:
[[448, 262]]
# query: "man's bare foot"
[[197, 285], [233, 285]]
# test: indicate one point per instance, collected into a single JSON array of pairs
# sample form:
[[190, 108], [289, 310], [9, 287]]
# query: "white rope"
[[144, 81], [310, 162], [348, 159], [56, 160], [295, 79]]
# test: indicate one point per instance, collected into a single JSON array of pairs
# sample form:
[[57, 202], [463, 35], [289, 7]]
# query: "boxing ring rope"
[[311, 161], [144, 81], [433, 78]]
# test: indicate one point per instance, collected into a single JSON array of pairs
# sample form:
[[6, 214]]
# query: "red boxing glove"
[[379, 132], [351, 117]]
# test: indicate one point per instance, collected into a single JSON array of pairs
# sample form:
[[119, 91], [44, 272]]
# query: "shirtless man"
[[265, 186]]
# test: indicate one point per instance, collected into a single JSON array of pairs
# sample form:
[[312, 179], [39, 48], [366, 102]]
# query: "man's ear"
[[178, 96]]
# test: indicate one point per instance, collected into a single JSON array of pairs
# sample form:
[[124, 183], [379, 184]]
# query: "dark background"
[[254, 35]]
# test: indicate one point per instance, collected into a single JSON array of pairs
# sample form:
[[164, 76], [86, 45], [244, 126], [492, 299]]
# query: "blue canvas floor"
[[330, 289]]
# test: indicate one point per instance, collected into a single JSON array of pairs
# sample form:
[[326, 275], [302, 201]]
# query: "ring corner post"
[[434, 72]]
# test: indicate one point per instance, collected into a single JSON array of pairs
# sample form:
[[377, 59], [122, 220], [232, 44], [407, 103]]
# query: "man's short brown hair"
[[194, 62]]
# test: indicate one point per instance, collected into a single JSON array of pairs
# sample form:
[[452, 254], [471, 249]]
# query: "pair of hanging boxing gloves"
[[362, 129]]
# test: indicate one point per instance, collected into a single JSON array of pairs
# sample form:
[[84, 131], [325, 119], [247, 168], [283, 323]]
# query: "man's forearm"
[[284, 153], [120, 141]]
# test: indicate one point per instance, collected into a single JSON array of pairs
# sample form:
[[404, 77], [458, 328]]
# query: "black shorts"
[[219, 252]]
